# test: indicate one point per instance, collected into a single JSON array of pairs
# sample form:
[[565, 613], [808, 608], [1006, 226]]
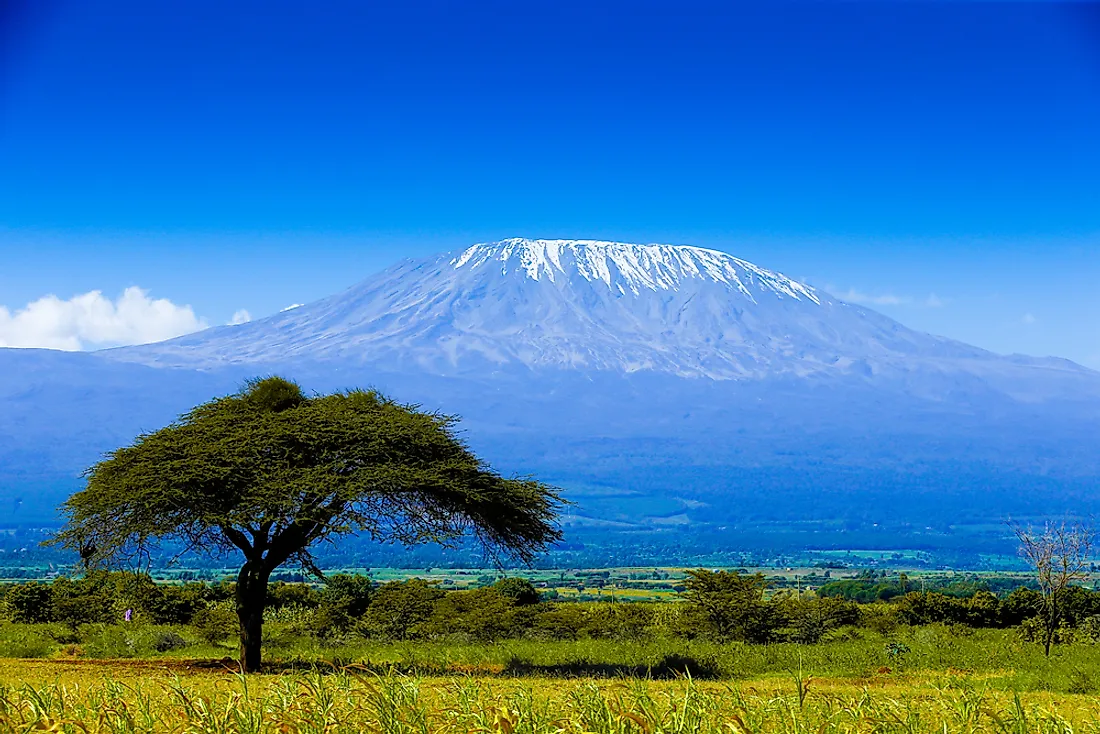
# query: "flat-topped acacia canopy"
[[270, 472]]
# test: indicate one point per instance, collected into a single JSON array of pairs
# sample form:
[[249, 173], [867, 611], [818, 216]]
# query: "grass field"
[[175, 696], [944, 680]]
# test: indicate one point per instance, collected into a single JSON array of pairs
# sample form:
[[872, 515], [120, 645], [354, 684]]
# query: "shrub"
[[520, 592], [565, 621], [109, 641], [481, 614], [399, 609], [341, 604], [30, 603], [176, 604], [882, 618], [730, 606], [807, 620], [168, 640], [216, 622], [24, 641], [281, 594], [83, 601]]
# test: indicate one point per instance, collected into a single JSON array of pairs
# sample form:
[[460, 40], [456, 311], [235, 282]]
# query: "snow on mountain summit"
[[582, 306], [623, 266]]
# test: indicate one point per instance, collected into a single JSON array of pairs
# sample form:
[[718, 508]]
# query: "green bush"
[[520, 592], [341, 604], [168, 640], [482, 615], [216, 622], [109, 641], [399, 610], [89, 600], [881, 618], [281, 594], [30, 603], [25, 641], [729, 606]]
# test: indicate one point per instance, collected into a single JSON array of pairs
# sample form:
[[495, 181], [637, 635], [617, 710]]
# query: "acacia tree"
[[270, 472], [1059, 554]]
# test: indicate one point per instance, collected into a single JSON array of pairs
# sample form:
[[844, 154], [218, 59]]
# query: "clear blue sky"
[[939, 160]]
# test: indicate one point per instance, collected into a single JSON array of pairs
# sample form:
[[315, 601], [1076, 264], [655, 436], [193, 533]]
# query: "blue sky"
[[938, 161]]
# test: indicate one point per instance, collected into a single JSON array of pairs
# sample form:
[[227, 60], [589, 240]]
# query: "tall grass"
[[353, 700], [996, 656]]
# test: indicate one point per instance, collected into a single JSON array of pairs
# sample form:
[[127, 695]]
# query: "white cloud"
[[1029, 319], [854, 296], [240, 317], [291, 307], [889, 299], [92, 320]]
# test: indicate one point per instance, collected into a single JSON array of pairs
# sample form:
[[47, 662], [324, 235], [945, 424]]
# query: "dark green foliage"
[[269, 471], [867, 588], [351, 607], [483, 615], [281, 594], [168, 640], [520, 591], [341, 604], [30, 603], [730, 606], [1021, 604], [983, 609], [563, 622], [400, 609], [1076, 604], [807, 620], [84, 601]]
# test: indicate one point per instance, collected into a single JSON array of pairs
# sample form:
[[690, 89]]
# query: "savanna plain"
[[728, 653]]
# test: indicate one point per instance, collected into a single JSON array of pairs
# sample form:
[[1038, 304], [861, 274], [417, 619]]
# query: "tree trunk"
[[251, 600], [1051, 626]]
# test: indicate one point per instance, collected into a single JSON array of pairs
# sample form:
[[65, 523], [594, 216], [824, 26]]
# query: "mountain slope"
[[586, 305], [668, 389]]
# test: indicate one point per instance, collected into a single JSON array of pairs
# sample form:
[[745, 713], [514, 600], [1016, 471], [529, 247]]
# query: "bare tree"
[[1059, 553]]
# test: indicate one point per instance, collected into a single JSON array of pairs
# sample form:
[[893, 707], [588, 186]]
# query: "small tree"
[[399, 609], [270, 472], [1059, 553], [520, 592], [730, 606]]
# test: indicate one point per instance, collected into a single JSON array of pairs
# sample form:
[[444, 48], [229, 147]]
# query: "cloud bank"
[[92, 320]]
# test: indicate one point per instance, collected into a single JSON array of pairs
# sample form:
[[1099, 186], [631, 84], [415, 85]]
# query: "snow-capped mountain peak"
[[575, 305], [626, 267]]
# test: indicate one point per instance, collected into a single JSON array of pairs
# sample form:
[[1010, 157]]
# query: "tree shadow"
[[669, 667]]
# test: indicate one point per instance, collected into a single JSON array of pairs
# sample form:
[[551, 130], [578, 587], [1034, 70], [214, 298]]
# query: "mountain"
[[669, 389], [585, 305]]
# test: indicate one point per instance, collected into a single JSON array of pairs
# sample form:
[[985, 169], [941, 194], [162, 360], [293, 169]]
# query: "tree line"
[[716, 605]]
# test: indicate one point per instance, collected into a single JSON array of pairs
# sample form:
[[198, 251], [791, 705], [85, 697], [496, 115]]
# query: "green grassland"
[[986, 681], [581, 650]]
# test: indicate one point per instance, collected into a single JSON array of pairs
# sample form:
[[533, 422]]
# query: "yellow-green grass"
[[157, 696]]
